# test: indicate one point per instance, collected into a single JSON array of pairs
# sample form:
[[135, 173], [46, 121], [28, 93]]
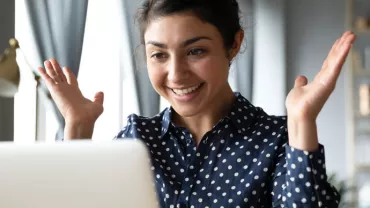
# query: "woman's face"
[[187, 62]]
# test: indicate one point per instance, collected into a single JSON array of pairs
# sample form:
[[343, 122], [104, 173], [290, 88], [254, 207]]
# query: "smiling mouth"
[[187, 90]]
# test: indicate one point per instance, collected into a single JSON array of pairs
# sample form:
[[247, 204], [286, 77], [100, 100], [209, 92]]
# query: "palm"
[[71, 102], [306, 100], [65, 92]]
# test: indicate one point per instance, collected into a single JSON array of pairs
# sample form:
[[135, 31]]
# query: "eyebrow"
[[186, 43]]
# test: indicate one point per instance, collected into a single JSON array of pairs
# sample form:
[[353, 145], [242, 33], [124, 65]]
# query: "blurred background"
[[99, 41]]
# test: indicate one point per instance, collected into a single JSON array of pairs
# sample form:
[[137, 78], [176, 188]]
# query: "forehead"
[[179, 27]]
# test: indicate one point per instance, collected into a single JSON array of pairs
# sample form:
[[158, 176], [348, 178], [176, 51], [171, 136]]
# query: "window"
[[106, 65]]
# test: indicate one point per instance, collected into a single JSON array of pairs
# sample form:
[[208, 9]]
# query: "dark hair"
[[223, 14]]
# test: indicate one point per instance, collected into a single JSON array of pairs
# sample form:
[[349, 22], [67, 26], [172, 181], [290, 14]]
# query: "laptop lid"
[[75, 174]]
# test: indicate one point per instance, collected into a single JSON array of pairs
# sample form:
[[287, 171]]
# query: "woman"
[[213, 148]]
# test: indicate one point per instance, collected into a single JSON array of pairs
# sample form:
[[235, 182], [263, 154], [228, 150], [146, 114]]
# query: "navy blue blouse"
[[244, 161]]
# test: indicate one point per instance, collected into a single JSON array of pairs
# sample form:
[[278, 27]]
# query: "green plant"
[[344, 189]]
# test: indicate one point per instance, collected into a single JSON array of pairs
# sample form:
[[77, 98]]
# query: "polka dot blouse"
[[244, 161]]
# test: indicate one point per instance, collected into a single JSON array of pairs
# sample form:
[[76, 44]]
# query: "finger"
[[99, 98], [338, 55], [342, 52], [51, 72], [330, 54], [342, 39], [48, 80], [349, 39], [334, 48], [338, 43], [334, 63], [71, 78], [58, 70], [345, 48], [300, 81], [346, 35]]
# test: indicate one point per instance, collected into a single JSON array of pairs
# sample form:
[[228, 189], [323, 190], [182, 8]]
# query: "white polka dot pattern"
[[244, 161]]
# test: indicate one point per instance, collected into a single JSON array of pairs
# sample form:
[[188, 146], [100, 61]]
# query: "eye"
[[196, 52], [159, 56]]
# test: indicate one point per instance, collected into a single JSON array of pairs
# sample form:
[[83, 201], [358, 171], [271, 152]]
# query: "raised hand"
[[63, 87], [305, 101]]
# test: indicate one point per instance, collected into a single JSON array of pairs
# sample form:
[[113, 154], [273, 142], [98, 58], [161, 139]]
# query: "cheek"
[[213, 69], [156, 76]]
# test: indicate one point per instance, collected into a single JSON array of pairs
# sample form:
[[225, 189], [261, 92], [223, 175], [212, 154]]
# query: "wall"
[[312, 28], [269, 41], [6, 104]]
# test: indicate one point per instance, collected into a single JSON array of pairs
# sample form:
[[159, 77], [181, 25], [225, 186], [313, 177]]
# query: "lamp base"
[[7, 89]]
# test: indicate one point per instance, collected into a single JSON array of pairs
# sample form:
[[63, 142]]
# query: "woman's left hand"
[[305, 101]]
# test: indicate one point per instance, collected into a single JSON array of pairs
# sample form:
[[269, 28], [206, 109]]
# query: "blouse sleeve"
[[300, 180], [129, 130]]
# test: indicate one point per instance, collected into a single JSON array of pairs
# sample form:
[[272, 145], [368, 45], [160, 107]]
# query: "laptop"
[[76, 174]]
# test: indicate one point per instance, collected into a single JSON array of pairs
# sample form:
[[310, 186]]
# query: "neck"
[[198, 125]]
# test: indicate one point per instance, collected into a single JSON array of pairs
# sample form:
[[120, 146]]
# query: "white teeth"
[[186, 91]]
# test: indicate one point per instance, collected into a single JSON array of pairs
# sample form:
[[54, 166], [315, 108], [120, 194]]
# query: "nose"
[[178, 70]]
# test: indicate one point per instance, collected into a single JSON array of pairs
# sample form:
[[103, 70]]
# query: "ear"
[[238, 40]]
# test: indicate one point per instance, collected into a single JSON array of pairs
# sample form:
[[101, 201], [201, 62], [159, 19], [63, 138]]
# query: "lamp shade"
[[9, 71]]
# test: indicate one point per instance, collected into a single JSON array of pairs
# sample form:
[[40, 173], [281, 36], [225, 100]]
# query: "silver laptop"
[[75, 174]]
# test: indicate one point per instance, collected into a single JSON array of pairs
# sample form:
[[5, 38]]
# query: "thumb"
[[99, 98], [300, 81]]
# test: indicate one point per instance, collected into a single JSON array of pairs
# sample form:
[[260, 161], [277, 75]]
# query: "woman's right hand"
[[63, 87]]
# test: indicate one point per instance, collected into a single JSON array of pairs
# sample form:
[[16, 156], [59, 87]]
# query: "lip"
[[188, 97], [182, 88]]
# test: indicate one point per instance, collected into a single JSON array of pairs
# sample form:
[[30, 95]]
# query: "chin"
[[187, 111]]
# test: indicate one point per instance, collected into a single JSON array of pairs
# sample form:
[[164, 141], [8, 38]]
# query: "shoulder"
[[247, 116], [138, 126], [273, 120], [135, 119], [272, 128], [276, 124], [258, 114]]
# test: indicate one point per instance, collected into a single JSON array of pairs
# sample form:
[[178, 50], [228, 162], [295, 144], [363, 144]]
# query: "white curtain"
[[112, 62], [107, 65], [25, 99], [49, 29], [269, 74], [241, 72], [149, 100]]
